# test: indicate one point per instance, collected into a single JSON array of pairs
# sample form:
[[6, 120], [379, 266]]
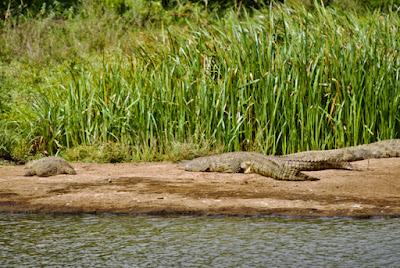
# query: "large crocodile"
[[289, 167], [49, 166]]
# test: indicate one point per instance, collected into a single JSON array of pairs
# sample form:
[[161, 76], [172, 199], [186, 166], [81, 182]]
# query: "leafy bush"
[[10, 8]]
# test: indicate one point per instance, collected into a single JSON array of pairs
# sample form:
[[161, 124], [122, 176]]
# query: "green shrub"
[[10, 8], [110, 152]]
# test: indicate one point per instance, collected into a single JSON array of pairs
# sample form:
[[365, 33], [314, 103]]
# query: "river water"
[[28, 240]]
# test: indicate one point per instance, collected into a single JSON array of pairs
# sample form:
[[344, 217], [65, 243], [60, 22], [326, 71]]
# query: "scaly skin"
[[289, 167], [380, 149], [280, 168], [49, 166], [227, 162]]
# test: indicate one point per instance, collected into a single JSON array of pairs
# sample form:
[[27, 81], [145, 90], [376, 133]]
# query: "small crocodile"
[[289, 167], [48, 166]]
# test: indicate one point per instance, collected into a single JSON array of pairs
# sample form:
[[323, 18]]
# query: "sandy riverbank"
[[164, 188]]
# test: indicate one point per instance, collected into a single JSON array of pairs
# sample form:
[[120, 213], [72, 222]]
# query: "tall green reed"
[[279, 81]]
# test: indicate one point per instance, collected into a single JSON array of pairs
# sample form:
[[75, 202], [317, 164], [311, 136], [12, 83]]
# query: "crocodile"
[[290, 167], [48, 166]]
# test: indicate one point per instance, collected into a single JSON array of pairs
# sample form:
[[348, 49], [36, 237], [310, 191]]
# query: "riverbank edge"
[[165, 189]]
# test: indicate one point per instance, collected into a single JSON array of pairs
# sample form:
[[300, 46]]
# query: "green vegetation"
[[98, 82]]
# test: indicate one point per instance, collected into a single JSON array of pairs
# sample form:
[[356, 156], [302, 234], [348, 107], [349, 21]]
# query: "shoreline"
[[165, 189]]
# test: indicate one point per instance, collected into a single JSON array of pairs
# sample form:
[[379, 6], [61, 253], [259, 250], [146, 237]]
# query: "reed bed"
[[278, 81]]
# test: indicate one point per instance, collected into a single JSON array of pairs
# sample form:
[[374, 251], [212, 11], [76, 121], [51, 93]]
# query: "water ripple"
[[122, 241]]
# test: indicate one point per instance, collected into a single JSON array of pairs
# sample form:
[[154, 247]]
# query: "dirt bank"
[[164, 188]]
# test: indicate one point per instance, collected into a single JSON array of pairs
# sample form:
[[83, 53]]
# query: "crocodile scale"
[[289, 167]]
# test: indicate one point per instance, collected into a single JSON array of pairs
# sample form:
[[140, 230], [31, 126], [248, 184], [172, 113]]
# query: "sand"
[[164, 188]]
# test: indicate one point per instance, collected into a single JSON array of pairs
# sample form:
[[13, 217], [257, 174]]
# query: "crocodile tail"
[[291, 174]]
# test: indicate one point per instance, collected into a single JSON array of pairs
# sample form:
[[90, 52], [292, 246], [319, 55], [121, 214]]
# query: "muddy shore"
[[164, 188]]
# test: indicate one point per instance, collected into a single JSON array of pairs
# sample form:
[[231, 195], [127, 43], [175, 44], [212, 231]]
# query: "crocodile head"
[[198, 165]]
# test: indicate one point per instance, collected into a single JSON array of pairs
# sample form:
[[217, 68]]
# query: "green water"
[[139, 241]]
